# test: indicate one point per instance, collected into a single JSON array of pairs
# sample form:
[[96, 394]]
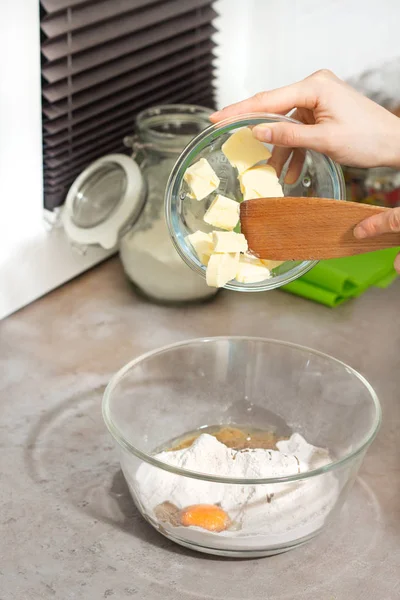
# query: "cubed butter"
[[243, 150], [260, 182], [202, 244], [229, 241], [201, 178], [222, 268], [223, 213], [251, 270], [272, 264]]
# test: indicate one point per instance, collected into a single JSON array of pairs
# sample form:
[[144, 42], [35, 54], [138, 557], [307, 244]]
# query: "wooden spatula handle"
[[308, 228]]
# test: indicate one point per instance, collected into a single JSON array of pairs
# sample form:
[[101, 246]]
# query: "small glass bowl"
[[319, 177], [250, 383]]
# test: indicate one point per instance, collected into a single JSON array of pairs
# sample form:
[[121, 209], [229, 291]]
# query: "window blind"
[[104, 61]]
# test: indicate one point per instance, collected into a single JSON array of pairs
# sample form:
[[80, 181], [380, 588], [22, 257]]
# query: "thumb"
[[397, 263], [385, 222], [290, 134]]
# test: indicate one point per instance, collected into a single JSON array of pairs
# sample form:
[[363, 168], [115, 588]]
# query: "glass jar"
[[118, 202], [147, 253]]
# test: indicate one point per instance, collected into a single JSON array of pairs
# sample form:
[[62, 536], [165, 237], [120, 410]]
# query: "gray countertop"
[[68, 527]]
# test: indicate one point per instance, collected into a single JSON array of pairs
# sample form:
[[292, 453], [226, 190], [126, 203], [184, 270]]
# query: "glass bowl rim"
[[190, 110], [201, 141], [150, 459]]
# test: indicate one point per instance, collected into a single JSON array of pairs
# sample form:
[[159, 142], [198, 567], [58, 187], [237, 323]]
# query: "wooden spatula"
[[308, 228]]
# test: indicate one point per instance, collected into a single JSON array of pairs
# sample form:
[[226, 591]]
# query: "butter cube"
[[202, 244], [260, 182], [229, 241], [272, 264], [244, 151], [223, 213], [222, 268], [251, 270], [201, 178]]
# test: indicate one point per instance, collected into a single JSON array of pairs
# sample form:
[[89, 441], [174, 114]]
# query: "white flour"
[[148, 254], [273, 513], [151, 262]]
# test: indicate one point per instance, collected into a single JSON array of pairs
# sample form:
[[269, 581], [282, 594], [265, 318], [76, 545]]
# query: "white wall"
[[281, 41], [20, 122], [33, 261], [232, 38]]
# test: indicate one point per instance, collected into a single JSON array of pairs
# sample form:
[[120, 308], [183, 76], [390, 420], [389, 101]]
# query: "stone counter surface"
[[68, 528]]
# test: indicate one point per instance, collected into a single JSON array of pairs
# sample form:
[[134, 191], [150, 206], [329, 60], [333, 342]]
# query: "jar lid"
[[105, 198]]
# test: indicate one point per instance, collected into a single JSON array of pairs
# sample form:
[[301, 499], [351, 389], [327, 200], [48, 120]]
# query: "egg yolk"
[[206, 516]]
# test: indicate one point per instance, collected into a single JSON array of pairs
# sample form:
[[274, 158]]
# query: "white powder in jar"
[[151, 262], [262, 514], [147, 252]]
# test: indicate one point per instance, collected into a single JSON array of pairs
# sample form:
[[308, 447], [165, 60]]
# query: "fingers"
[[278, 158], [303, 94], [291, 135], [295, 168], [385, 222], [397, 263], [281, 101]]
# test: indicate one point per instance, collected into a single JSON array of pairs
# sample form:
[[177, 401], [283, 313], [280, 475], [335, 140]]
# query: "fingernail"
[[360, 233], [263, 133], [215, 115]]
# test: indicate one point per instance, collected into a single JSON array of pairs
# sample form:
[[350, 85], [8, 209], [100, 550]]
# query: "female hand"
[[337, 121], [385, 222]]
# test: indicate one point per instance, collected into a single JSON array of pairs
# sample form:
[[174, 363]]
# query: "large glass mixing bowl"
[[318, 176], [256, 384]]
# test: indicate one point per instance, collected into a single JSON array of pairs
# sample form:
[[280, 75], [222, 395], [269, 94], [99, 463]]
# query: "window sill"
[[35, 266]]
